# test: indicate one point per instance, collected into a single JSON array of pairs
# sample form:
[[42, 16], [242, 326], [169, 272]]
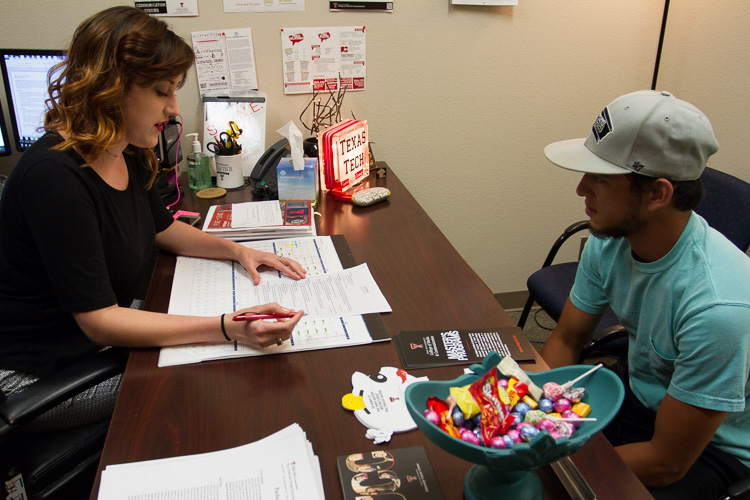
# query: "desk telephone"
[[263, 178]]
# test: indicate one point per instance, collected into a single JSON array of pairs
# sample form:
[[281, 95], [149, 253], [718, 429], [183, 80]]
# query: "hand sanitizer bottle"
[[199, 170]]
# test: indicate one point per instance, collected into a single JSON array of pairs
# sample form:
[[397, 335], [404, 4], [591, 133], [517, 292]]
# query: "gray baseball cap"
[[648, 132]]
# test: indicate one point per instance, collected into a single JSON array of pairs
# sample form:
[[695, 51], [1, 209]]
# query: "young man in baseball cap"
[[680, 289]]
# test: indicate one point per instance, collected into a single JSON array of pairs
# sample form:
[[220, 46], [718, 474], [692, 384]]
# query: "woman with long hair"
[[79, 215]]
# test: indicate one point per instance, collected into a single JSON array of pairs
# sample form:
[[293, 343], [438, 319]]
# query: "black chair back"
[[726, 206]]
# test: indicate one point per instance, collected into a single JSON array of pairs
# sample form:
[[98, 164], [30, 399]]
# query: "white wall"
[[462, 100]]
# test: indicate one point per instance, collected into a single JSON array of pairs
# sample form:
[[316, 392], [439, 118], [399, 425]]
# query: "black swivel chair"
[[56, 465], [726, 208]]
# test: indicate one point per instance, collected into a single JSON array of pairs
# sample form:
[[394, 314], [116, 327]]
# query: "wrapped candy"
[[530, 401], [553, 391], [572, 417], [533, 417], [562, 405], [574, 394], [495, 414], [514, 435], [465, 401], [441, 408], [516, 390], [498, 443], [529, 432], [469, 437], [547, 425], [565, 429], [508, 367], [582, 409], [522, 408], [546, 405]]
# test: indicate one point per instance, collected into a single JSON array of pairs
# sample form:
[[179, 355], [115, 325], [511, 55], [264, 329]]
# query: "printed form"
[[333, 299]]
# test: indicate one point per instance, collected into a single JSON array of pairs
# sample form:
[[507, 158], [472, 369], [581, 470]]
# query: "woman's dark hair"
[[110, 52], [687, 194]]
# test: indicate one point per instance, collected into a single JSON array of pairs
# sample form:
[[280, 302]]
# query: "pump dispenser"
[[199, 169]]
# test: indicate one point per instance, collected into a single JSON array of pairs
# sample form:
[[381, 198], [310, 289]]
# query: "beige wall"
[[462, 100]]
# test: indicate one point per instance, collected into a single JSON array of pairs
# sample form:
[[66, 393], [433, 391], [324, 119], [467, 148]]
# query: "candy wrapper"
[[495, 414]]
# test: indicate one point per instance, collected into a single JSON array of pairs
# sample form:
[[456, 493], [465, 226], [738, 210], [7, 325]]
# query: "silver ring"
[[279, 342], [280, 257]]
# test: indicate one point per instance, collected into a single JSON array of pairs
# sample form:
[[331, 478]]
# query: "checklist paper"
[[334, 299], [281, 466]]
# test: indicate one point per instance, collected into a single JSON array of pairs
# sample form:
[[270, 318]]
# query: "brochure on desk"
[[398, 473], [432, 348], [205, 287]]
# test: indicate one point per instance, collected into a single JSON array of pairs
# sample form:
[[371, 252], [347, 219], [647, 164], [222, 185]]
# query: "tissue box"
[[298, 184]]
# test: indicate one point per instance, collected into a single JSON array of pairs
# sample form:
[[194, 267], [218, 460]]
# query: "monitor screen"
[[25, 77], [4, 144]]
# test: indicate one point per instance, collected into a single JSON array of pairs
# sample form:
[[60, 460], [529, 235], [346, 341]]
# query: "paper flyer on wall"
[[323, 59], [264, 5], [225, 60], [169, 8]]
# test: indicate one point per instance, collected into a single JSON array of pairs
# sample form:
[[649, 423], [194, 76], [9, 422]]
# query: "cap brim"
[[574, 155]]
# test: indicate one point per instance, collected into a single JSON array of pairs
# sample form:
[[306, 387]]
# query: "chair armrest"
[[602, 338], [569, 231], [739, 490], [51, 391]]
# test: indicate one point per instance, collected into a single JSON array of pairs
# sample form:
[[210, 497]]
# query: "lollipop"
[[553, 391]]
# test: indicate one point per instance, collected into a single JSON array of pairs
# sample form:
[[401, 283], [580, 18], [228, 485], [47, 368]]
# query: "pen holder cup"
[[229, 171], [509, 473]]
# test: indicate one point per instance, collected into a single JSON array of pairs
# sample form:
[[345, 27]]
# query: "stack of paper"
[[261, 220], [280, 466]]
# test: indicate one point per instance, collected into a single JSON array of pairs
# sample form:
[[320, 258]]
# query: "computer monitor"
[[4, 143], [25, 76]]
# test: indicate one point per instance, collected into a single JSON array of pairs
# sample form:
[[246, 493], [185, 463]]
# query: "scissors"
[[234, 131], [225, 145]]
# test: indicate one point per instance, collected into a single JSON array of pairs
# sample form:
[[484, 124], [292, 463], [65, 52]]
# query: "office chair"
[[60, 464], [725, 207]]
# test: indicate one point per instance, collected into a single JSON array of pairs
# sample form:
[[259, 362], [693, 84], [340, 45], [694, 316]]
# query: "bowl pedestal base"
[[482, 484]]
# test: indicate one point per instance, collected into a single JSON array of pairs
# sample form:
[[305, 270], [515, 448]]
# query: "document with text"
[[282, 466], [334, 299]]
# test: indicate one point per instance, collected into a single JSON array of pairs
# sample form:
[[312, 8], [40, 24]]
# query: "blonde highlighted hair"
[[110, 52]]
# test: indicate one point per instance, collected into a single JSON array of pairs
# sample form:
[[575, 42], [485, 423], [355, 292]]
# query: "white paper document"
[[264, 5], [333, 299], [168, 8], [324, 59], [225, 59], [256, 214], [280, 466]]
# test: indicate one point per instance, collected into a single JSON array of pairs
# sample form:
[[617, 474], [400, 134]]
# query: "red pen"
[[254, 316]]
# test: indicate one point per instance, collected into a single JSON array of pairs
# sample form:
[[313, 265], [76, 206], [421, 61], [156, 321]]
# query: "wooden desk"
[[166, 412]]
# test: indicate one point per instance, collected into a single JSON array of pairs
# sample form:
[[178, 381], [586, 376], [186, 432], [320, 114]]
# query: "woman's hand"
[[252, 259], [261, 333]]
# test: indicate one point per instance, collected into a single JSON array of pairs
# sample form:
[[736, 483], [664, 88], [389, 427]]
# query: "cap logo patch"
[[602, 126]]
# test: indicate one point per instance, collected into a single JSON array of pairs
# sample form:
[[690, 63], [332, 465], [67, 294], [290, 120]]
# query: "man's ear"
[[660, 194]]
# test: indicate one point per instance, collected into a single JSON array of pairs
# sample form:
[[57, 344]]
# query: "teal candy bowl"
[[508, 473]]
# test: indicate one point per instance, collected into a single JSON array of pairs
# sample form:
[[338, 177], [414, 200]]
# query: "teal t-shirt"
[[688, 321]]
